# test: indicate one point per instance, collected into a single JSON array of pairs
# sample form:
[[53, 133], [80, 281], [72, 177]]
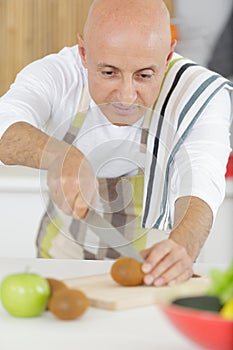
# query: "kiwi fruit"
[[127, 272], [55, 285], [68, 304]]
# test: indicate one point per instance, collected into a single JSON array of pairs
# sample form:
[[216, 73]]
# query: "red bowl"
[[229, 171], [205, 328]]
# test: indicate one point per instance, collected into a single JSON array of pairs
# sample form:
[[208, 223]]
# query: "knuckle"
[[183, 250], [80, 210]]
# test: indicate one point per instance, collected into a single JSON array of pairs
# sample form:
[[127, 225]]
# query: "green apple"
[[25, 294]]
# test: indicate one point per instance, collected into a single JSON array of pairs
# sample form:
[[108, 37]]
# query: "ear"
[[172, 48], [82, 50]]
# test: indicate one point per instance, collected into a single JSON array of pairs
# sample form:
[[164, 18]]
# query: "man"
[[142, 99]]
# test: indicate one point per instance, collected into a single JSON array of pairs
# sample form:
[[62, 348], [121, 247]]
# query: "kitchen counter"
[[22, 179], [134, 329]]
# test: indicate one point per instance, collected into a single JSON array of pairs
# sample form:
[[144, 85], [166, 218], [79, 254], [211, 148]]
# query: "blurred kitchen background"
[[30, 29]]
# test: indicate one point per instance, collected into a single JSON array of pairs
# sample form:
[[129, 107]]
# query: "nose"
[[127, 93]]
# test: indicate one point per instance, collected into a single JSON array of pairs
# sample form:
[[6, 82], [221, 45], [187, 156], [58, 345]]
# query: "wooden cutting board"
[[104, 293]]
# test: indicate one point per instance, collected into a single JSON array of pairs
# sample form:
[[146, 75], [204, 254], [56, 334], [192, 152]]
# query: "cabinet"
[[30, 29]]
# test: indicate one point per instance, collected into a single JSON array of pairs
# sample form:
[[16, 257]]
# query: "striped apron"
[[120, 200]]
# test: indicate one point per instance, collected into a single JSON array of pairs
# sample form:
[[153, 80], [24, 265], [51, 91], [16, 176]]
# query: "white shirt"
[[47, 92]]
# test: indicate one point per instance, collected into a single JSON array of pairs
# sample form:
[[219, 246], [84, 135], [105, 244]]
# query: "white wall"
[[200, 22]]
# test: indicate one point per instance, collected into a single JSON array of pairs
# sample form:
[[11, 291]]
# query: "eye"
[[108, 73], [144, 76]]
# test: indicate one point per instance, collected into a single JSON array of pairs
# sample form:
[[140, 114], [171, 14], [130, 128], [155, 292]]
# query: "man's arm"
[[193, 221], [170, 261], [69, 173], [23, 144]]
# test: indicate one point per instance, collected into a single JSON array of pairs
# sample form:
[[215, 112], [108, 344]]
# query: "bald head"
[[126, 49], [148, 17]]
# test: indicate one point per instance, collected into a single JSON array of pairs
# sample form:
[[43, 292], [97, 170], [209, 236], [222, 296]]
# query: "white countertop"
[[22, 179], [134, 329]]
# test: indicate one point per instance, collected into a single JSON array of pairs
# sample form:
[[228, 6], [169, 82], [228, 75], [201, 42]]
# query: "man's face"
[[124, 73]]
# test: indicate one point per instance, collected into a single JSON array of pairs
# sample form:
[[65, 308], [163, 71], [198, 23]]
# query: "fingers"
[[145, 252], [166, 263], [80, 207], [85, 199], [63, 192], [70, 199], [72, 184]]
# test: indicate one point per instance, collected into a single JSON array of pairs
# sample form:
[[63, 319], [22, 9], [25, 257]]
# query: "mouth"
[[123, 110]]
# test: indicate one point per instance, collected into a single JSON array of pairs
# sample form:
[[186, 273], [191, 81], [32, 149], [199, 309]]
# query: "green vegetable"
[[222, 284]]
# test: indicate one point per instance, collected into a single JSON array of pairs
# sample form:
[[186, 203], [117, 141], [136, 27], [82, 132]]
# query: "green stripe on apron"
[[139, 237], [78, 120], [52, 230]]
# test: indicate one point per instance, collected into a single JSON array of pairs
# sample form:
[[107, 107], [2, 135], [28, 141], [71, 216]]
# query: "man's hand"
[[166, 263], [72, 183], [170, 261]]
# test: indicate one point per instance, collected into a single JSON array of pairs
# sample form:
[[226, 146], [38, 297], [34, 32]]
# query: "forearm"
[[192, 223], [69, 173], [23, 144]]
